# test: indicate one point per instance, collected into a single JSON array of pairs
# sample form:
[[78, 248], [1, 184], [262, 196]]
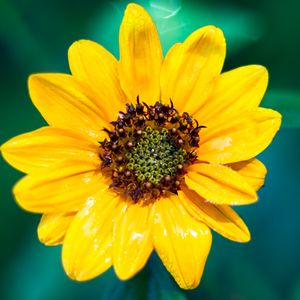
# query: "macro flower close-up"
[[145, 153]]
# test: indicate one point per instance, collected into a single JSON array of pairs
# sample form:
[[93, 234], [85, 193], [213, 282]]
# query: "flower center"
[[155, 156], [148, 151]]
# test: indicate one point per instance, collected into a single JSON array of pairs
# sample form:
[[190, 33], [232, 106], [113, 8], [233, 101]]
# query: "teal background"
[[35, 36]]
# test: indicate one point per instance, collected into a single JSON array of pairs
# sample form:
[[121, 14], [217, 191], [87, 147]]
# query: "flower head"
[[145, 153]]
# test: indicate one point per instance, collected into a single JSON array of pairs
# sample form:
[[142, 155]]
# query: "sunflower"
[[145, 153]]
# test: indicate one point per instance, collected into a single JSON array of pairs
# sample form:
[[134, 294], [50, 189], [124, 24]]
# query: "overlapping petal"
[[189, 68], [65, 187], [234, 92], [66, 102], [93, 64], [240, 138], [132, 240], [252, 170], [181, 242], [53, 227], [41, 148], [140, 55], [87, 249], [219, 184], [220, 218]]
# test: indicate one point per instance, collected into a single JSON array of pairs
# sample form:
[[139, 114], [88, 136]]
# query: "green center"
[[155, 156]]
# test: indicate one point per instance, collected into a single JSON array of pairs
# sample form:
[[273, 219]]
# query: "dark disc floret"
[[147, 152]]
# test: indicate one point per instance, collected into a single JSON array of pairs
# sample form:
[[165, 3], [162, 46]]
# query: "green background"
[[35, 36]]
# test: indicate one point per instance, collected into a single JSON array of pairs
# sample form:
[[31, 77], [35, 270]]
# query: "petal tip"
[[33, 78], [123, 275], [74, 274], [262, 73], [247, 238], [211, 34], [135, 16], [4, 148], [134, 8]]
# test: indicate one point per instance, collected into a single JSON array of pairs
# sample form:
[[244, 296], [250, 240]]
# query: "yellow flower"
[[177, 150]]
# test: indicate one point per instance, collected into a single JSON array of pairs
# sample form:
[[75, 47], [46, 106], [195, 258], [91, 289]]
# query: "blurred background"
[[35, 36]]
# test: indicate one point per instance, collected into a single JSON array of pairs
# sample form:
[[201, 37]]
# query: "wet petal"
[[53, 227], [93, 64], [62, 188], [41, 148], [87, 249], [220, 218], [66, 102], [219, 184], [140, 55], [241, 138], [189, 68], [235, 91], [132, 240], [252, 170], [181, 242]]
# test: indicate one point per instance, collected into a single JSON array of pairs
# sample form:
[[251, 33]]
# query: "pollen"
[[149, 149]]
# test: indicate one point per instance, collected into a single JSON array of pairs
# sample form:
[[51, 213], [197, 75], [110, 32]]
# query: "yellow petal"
[[181, 242], [93, 64], [62, 188], [41, 148], [241, 138], [252, 170], [53, 227], [140, 55], [219, 185], [220, 218], [87, 248], [235, 91], [189, 68], [66, 102], [132, 240]]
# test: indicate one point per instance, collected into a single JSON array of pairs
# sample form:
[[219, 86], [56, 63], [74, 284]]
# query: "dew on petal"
[[136, 235], [193, 233]]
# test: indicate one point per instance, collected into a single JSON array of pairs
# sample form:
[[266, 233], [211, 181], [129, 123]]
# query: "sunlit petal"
[[189, 68], [94, 65], [87, 249], [132, 240], [241, 138], [181, 242], [53, 227], [220, 218], [42, 148], [252, 170], [140, 55], [62, 188], [220, 184]]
